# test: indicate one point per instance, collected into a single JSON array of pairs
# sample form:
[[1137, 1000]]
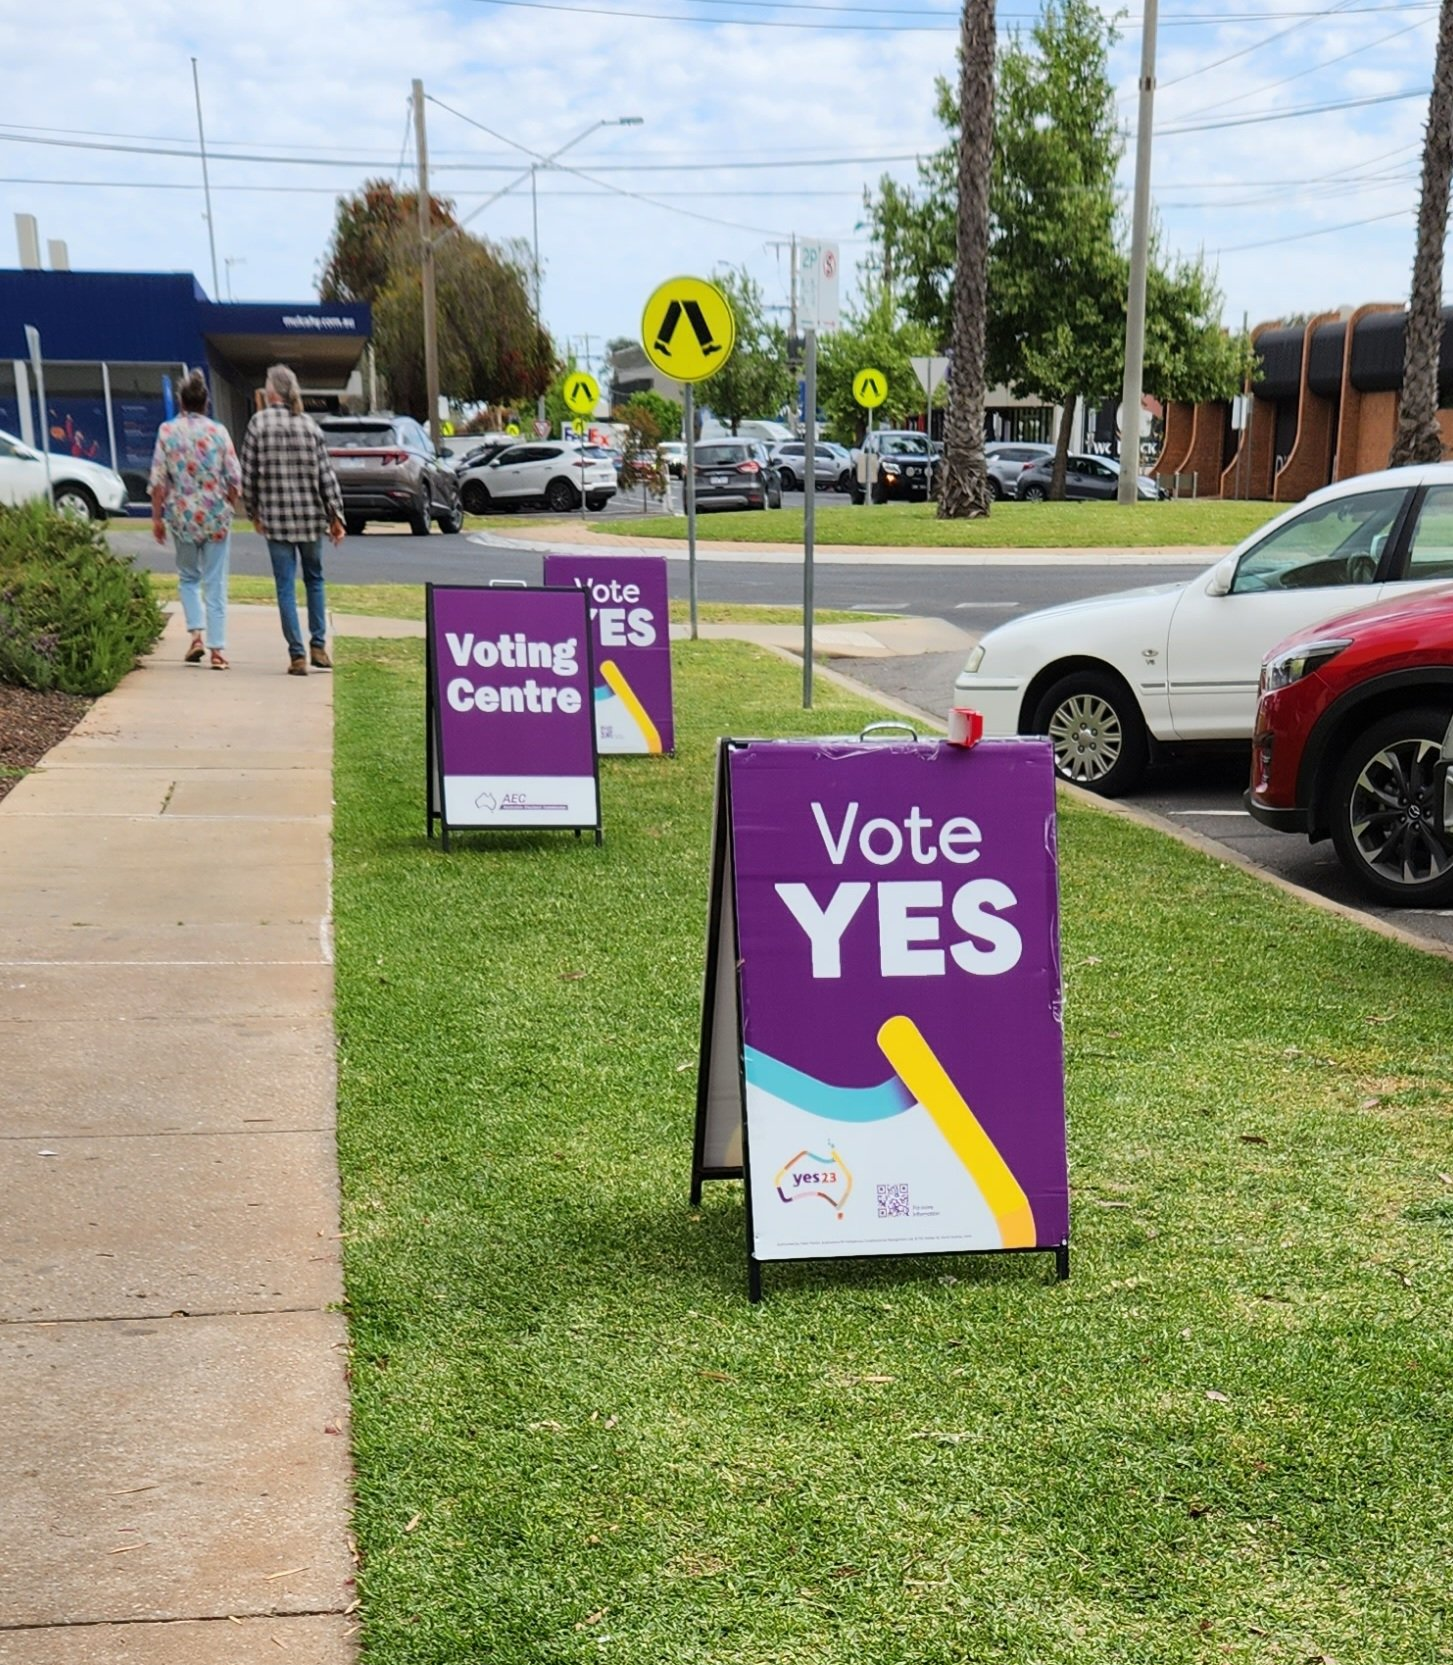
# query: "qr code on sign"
[[892, 1202]]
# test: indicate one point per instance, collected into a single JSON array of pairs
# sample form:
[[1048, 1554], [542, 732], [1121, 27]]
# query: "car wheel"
[[355, 525], [76, 502], [996, 491], [452, 520], [855, 492], [1033, 494], [774, 499], [880, 491], [1386, 828], [845, 481], [474, 497], [789, 479], [560, 495], [1096, 730], [418, 518]]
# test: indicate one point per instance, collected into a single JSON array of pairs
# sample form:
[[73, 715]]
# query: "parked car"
[[832, 468], [1087, 478], [87, 490], [894, 462], [544, 471], [480, 452], [389, 470], [1354, 733], [1115, 679], [672, 453], [1007, 460], [736, 474]]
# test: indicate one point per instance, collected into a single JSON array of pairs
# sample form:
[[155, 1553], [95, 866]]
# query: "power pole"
[[206, 183], [426, 248], [1127, 490], [539, 323]]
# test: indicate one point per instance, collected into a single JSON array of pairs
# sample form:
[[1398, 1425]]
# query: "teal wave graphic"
[[821, 1098]]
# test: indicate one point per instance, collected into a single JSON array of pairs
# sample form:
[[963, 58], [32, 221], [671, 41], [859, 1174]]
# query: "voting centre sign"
[[882, 1054], [630, 625], [510, 725]]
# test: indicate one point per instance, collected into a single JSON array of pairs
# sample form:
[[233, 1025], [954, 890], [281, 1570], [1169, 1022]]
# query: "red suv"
[[1354, 736]]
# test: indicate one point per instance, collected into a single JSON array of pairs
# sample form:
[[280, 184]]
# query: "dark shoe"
[[298, 666], [319, 660]]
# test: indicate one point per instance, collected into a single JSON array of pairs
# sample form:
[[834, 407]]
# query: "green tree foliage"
[[756, 381], [1057, 266], [664, 413], [492, 349], [870, 340]]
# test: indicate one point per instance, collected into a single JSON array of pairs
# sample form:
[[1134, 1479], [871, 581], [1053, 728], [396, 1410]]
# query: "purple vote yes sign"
[[897, 932], [510, 704], [630, 631]]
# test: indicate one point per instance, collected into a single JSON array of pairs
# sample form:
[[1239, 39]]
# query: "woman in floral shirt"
[[195, 485]]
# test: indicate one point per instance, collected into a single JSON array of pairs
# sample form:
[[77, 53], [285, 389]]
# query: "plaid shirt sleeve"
[[249, 473], [329, 490]]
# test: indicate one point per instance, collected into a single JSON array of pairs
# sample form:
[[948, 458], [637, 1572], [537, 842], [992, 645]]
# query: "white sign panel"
[[817, 271]]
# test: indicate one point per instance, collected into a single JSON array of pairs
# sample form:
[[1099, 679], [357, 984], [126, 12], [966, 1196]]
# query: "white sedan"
[[1112, 678], [86, 490]]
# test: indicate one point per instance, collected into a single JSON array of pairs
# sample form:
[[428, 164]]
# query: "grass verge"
[[1205, 523], [406, 601], [1225, 1439]]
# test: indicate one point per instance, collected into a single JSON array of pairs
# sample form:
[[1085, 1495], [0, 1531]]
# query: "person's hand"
[[158, 529], [259, 528], [335, 532]]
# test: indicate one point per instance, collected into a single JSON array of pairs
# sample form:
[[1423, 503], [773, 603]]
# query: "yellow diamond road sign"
[[512, 428], [688, 330], [870, 388], [582, 392]]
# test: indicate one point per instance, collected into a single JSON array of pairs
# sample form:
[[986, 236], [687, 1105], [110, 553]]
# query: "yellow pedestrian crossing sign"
[[870, 388], [582, 392], [687, 329], [512, 428]]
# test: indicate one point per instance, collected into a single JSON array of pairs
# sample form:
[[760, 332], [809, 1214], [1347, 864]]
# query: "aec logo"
[[808, 1175]]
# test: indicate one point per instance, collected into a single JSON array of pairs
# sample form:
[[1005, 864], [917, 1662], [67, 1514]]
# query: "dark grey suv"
[[736, 474], [389, 471]]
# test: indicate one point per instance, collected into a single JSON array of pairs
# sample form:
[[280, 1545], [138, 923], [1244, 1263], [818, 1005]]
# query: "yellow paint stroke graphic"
[[920, 1071], [627, 696]]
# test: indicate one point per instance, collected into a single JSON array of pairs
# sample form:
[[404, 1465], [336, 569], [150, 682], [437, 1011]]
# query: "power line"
[[1241, 52], [1311, 69], [1296, 110], [1321, 231]]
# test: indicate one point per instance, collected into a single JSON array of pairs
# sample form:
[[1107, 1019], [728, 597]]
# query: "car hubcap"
[[1087, 737], [1393, 817]]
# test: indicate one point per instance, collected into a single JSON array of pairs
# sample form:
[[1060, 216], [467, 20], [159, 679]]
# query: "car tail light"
[[749, 468], [1029, 464], [398, 457]]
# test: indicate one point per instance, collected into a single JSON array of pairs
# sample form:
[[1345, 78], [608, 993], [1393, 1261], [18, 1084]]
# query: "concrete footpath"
[[174, 1470]]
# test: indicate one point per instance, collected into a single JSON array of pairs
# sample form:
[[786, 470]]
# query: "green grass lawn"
[[406, 601], [1209, 523], [1226, 1438]]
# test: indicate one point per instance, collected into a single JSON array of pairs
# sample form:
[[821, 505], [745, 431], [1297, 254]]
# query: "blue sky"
[[753, 128]]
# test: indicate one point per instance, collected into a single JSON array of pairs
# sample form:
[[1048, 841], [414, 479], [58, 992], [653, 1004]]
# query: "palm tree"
[[1418, 439], [964, 490]]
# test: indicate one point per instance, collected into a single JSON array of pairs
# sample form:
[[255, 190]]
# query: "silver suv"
[[1007, 460]]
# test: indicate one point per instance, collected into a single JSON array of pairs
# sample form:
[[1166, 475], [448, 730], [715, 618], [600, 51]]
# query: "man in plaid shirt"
[[292, 495]]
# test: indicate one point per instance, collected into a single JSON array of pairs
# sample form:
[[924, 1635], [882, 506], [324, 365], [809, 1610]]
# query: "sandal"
[[219, 661], [196, 650]]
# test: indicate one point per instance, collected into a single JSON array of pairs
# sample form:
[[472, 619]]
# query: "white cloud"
[[325, 76]]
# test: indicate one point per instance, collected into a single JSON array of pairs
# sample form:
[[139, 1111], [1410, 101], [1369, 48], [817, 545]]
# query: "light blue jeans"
[[202, 585], [285, 560]]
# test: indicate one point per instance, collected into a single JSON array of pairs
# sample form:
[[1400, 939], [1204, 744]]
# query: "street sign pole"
[[809, 511], [688, 416], [37, 364], [867, 483]]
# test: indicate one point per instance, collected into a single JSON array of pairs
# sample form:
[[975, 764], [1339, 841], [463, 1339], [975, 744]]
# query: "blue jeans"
[[202, 585], [285, 559]]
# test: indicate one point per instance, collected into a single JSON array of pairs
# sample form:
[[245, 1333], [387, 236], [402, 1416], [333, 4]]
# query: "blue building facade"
[[115, 345]]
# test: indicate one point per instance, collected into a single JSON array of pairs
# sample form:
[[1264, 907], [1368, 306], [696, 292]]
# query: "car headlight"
[[1291, 667], [975, 659], [890, 468]]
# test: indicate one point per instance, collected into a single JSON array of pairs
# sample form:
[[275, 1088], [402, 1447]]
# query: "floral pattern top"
[[195, 465]]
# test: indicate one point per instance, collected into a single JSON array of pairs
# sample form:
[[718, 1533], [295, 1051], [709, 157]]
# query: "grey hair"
[[282, 382]]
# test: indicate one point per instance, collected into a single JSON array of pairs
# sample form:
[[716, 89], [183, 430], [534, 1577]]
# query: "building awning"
[[322, 343]]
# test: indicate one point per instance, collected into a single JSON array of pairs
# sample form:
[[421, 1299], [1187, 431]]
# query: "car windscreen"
[[904, 445], [354, 438]]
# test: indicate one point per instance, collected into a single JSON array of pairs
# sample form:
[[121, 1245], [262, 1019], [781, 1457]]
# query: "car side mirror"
[[1223, 576], [1378, 544]]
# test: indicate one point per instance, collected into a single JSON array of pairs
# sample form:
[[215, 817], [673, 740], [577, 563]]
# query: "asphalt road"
[[1202, 793]]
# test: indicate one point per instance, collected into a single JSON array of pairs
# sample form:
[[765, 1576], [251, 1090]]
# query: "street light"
[[545, 162]]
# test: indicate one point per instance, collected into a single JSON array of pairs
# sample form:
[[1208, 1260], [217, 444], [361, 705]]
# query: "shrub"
[[74, 616]]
